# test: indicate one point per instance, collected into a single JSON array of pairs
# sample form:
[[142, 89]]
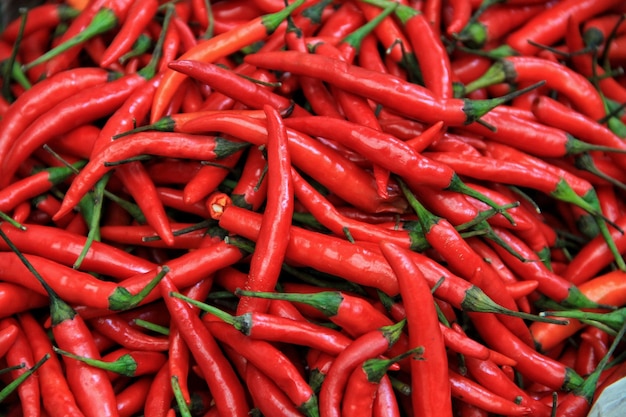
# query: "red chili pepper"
[[56, 395], [550, 25], [160, 394], [88, 104], [166, 144], [120, 331], [208, 178], [216, 47], [241, 89], [174, 198], [44, 16], [8, 335], [572, 85], [272, 241], [131, 400], [221, 378], [101, 258], [424, 331], [362, 386], [41, 97], [367, 346], [444, 238], [311, 157], [406, 98], [473, 393], [138, 16]]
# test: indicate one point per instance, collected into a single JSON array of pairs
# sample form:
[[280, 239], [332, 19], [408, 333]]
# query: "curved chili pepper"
[[44, 95], [549, 26], [56, 395], [270, 361], [362, 386], [208, 178], [138, 16], [406, 98], [221, 378], [309, 155], [20, 352], [241, 89], [93, 390], [174, 198], [120, 331], [557, 76], [472, 393], [165, 144], [272, 241], [216, 47], [86, 105], [424, 331], [273, 328], [367, 346]]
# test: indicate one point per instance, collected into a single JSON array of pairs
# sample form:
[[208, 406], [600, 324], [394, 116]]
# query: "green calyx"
[[122, 299], [327, 302], [124, 365], [273, 20]]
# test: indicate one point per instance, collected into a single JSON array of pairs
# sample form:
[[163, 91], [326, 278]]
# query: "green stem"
[[122, 299], [103, 21], [12, 386], [327, 302], [5, 217], [183, 409], [376, 368], [94, 220], [152, 327], [124, 365]]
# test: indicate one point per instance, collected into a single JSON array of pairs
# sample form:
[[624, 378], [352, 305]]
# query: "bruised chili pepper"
[[216, 47]]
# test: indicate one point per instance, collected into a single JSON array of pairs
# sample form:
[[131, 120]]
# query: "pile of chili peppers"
[[321, 208]]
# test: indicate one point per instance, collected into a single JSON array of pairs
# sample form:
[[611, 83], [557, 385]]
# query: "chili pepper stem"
[[457, 185], [475, 109], [103, 21], [122, 299], [124, 365], [180, 400], [241, 323], [611, 322], [7, 390]]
